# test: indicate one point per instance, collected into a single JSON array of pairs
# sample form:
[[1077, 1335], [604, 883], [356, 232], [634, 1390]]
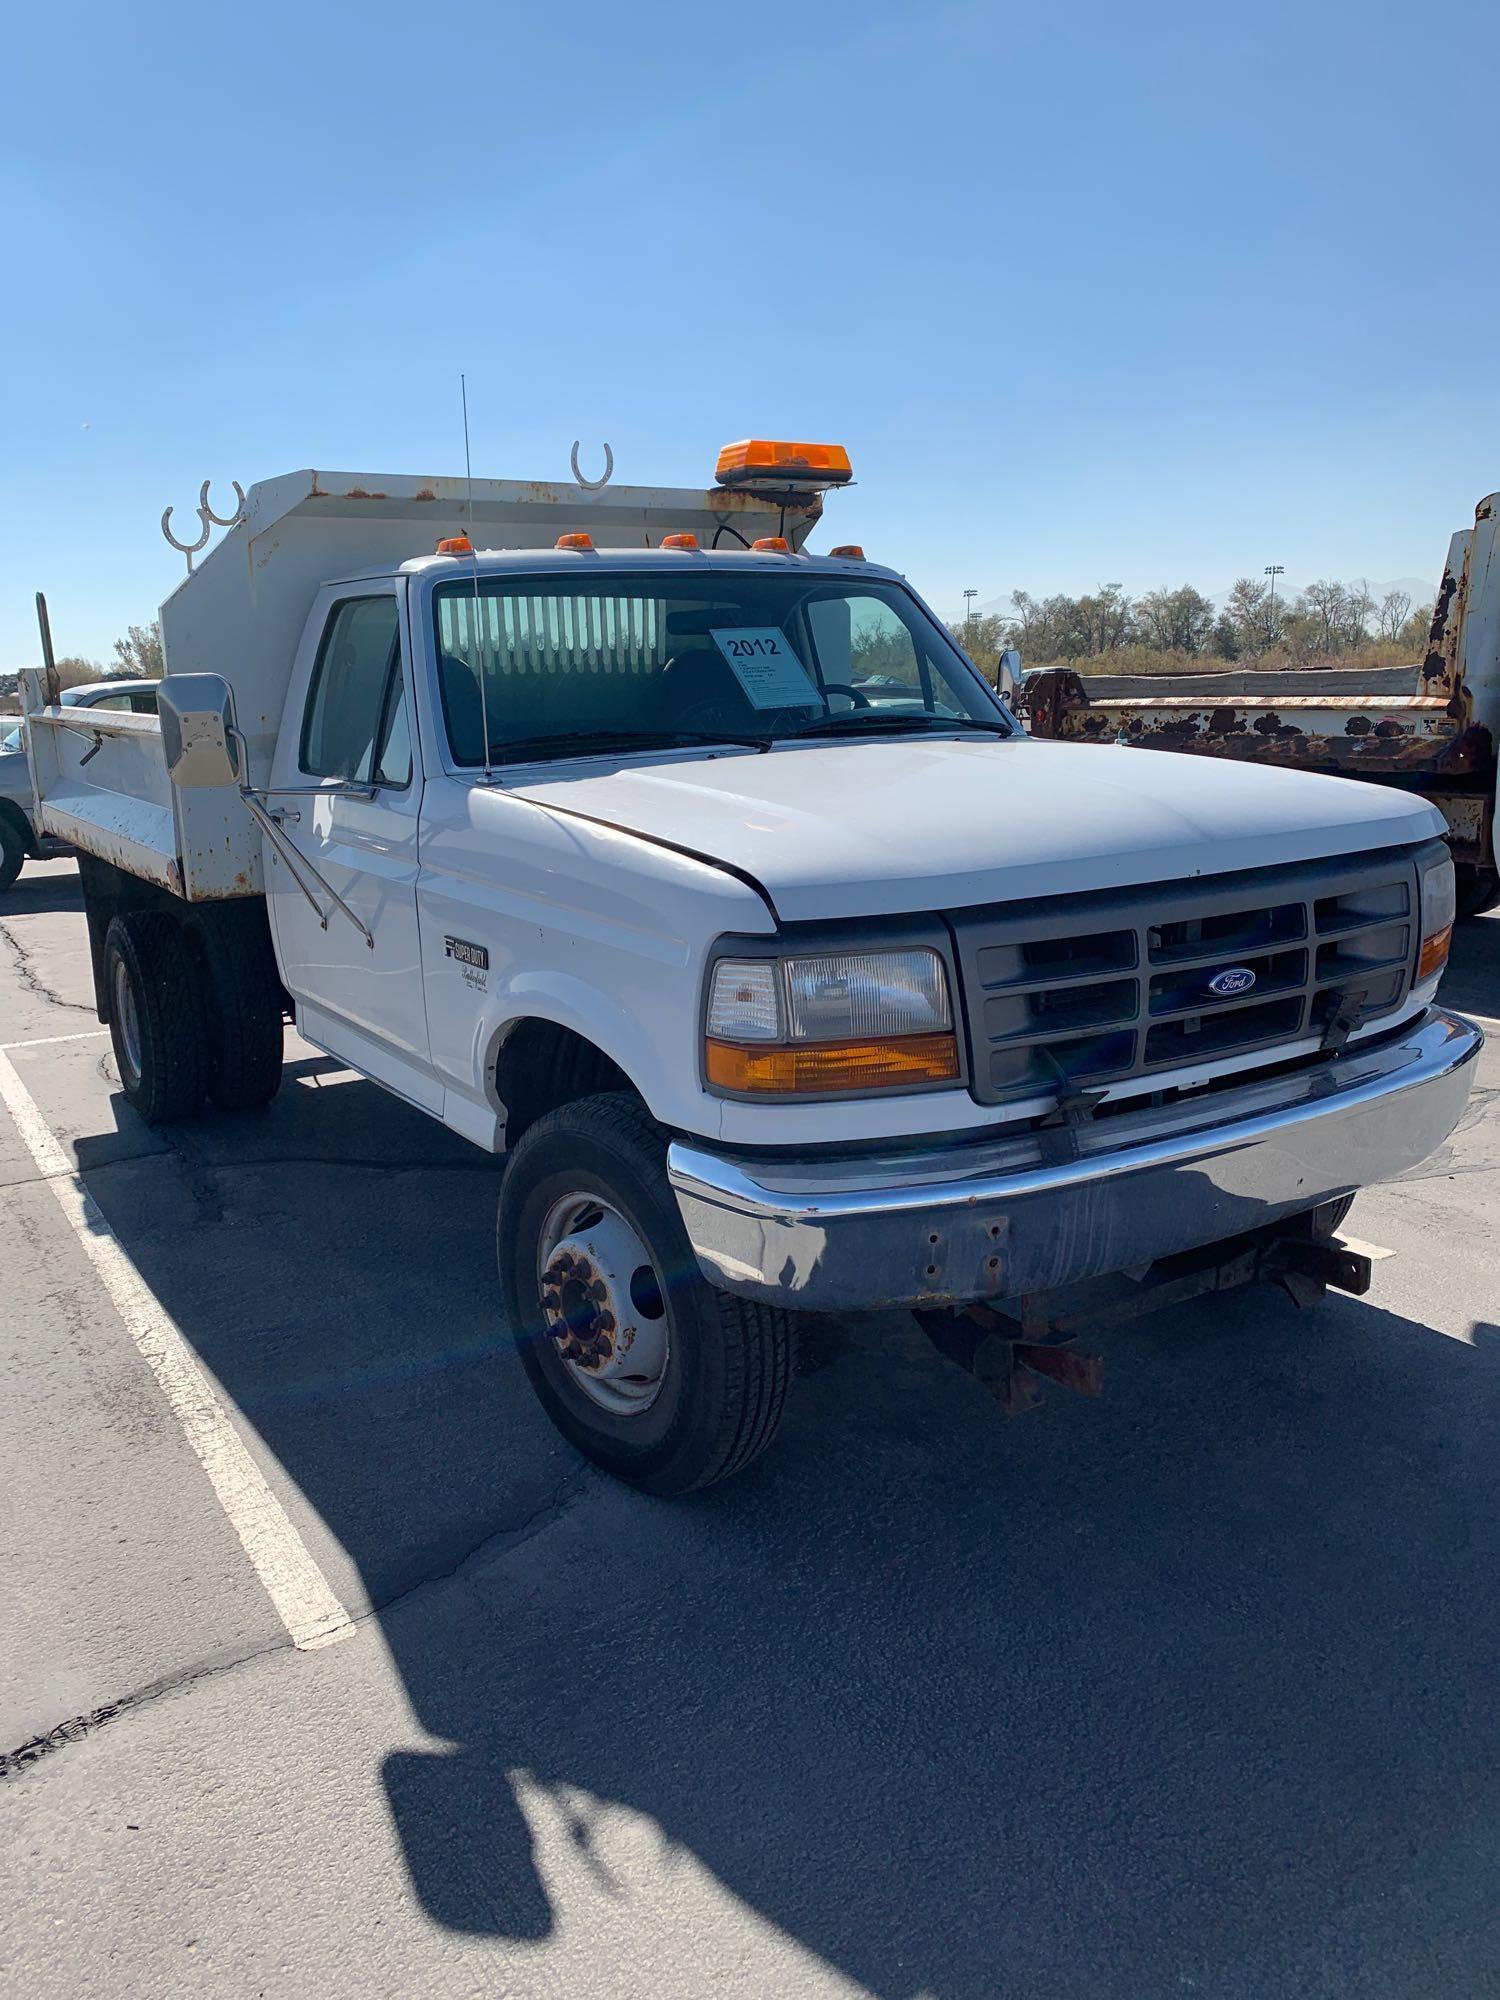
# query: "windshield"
[[711, 656], [11, 740]]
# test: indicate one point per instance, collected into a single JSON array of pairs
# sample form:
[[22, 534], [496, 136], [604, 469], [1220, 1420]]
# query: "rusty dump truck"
[[1431, 728]]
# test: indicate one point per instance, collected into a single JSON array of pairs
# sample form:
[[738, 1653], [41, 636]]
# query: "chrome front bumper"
[[994, 1220]]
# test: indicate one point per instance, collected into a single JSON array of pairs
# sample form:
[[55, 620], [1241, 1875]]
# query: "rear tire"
[[244, 999], [1328, 1218], [1478, 889], [12, 854], [158, 1020], [712, 1395]]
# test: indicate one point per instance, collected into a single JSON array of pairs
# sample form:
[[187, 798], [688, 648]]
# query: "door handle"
[[281, 814]]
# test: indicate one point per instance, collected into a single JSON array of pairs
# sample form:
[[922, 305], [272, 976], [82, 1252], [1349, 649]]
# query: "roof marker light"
[[574, 542], [850, 551], [771, 545], [679, 541], [455, 545]]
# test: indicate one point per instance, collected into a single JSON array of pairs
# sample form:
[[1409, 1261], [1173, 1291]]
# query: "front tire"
[[642, 1365], [157, 1018]]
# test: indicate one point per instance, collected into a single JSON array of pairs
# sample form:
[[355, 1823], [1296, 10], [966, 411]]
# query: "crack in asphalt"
[[26, 1756], [33, 980], [501, 1540]]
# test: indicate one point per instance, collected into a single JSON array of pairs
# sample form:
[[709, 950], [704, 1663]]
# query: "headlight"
[[1439, 906], [838, 1021]]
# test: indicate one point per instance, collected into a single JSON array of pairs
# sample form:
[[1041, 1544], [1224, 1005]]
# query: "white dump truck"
[[708, 881]]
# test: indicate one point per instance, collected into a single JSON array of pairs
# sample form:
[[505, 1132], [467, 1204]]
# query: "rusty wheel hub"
[[603, 1304]]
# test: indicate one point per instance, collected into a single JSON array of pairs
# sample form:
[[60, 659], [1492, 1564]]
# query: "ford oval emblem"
[[1233, 979]]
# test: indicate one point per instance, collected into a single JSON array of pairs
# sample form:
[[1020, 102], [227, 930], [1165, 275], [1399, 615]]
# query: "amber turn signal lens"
[[771, 545], [574, 542], [679, 541], [825, 1066], [1434, 954], [455, 545]]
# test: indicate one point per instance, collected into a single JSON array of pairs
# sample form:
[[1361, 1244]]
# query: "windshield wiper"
[[860, 722], [587, 741]]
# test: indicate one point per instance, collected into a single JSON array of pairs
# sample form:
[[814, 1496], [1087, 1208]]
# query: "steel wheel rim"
[[128, 1021], [603, 1304]]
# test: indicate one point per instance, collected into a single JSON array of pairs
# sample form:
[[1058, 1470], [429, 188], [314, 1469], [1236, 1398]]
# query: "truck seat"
[[700, 682], [464, 710]]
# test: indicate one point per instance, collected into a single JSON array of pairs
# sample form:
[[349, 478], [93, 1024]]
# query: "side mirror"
[[1008, 674], [198, 731]]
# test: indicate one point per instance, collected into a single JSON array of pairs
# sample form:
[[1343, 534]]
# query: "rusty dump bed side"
[[1430, 727]]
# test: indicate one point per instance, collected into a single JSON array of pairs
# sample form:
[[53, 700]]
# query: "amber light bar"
[[792, 464], [830, 1066]]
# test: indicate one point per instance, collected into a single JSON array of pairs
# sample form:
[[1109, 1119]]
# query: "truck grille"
[[1096, 989]]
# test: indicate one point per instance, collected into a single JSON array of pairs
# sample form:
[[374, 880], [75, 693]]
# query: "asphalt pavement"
[[1190, 1690]]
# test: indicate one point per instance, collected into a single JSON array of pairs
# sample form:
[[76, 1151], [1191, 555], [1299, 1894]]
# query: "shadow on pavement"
[[36, 895], [1192, 1685]]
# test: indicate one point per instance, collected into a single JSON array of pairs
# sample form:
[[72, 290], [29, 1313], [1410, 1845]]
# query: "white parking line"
[[313, 1616], [46, 1041]]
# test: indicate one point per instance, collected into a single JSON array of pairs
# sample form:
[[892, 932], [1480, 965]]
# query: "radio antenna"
[[484, 712]]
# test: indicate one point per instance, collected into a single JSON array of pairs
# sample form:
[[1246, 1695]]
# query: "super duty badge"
[[472, 960]]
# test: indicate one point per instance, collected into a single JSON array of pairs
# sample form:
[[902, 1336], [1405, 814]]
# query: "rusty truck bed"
[[1411, 726]]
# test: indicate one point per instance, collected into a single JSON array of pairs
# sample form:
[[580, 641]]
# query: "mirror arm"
[[296, 861], [339, 790]]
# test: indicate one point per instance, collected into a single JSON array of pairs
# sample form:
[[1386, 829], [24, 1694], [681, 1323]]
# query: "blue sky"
[[1143, 293]]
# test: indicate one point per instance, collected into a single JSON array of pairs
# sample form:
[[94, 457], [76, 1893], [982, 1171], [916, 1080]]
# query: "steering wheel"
[[842, 687]]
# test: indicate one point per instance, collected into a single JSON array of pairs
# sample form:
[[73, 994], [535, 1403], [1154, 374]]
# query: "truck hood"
[[880, 828]]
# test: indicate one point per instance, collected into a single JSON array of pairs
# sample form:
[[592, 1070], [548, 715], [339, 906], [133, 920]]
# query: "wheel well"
[[540, 1066]]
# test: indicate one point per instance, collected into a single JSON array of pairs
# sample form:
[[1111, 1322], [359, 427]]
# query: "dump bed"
[[102, 783]]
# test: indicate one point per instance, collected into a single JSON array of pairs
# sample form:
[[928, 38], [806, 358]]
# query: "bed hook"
[[594, 485]]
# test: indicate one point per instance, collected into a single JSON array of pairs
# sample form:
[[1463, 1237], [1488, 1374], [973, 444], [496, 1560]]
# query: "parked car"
[[19, 837]]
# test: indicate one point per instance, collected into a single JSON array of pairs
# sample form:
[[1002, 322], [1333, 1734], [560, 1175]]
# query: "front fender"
[[635, 1044]]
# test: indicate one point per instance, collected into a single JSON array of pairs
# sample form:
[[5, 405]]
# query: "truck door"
[[350, 723]]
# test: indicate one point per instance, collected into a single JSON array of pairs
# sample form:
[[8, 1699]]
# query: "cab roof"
[[577, 564]]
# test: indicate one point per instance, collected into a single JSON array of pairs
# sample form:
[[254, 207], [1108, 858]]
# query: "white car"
[[18, 837]]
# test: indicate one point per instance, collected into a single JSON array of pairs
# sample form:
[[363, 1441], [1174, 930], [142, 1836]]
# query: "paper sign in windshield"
[[766, 667]]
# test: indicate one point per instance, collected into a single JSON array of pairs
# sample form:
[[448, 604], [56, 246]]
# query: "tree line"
[[137, 657], [1108, 631]]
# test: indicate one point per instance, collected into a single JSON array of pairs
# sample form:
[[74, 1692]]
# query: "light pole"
[[969, 596], [1273, 570]]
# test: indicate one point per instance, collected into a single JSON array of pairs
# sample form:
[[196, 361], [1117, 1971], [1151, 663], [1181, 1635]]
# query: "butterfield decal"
[[472, 960]]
